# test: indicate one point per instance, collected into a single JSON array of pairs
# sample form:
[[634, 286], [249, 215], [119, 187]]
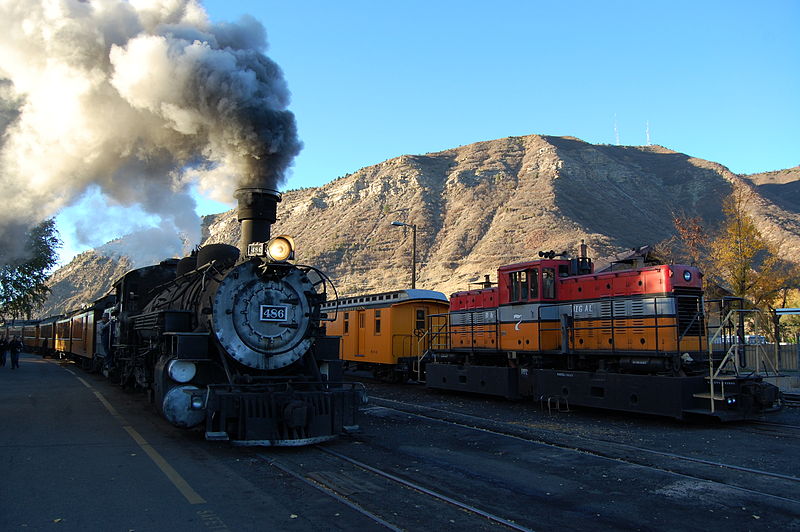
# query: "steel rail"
[[388, 476], [774, 424], [426, 491], [598, 454], [327, 490]]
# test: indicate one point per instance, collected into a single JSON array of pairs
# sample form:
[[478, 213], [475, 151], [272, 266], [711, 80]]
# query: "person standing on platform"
[[15, 347], [3, 349], [107, 340]]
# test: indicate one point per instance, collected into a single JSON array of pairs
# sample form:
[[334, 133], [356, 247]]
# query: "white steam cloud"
[[140, 98]]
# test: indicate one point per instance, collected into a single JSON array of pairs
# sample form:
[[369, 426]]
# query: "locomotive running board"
[[674, 397]]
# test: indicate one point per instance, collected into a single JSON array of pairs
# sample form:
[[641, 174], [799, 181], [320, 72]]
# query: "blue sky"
[[372, 80]]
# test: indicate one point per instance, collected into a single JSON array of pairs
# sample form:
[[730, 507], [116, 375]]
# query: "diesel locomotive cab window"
[[377, 322], [548, 283], [534, 282], [518, 281]]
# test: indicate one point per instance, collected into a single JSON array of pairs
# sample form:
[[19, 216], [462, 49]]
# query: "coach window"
[[548, 283], [346, 322], [420, 321], [534, 282], [377, 322]]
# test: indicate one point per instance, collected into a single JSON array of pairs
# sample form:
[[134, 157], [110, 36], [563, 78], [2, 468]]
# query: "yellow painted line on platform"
[[108, 406], [174, 477], [177, 480]]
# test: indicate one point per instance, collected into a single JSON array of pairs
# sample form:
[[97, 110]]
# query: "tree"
[[690, 245], [745, 263], [737, 260], [694, 236], [22, 281]]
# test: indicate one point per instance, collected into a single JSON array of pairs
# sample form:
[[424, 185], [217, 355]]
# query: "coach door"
[[362, 332]]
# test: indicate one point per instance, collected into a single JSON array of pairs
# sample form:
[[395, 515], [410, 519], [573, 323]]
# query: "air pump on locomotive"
[[236, 342]]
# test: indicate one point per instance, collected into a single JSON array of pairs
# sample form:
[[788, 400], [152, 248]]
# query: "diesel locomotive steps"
[[229, 339]]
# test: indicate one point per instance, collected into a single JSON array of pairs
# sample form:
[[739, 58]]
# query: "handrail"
[[732, 353]]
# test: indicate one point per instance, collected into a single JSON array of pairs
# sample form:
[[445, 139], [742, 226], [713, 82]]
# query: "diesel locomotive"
[[230, 338], [633, 340]]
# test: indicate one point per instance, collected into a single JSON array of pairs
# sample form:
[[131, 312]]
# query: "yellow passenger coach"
[[384, 332]]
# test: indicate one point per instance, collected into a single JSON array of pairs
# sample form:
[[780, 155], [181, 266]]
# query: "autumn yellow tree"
[[745, 263]]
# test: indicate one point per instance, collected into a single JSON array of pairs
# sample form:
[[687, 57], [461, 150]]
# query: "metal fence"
[[787, 358]]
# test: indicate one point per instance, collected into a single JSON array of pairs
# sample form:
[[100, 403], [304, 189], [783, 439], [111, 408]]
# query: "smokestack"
[[257, 212]]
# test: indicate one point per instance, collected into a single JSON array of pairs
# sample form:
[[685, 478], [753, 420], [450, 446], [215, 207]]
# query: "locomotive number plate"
[[274, 313]]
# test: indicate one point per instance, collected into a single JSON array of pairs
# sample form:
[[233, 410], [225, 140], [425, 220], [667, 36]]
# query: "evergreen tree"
[[22, 281]]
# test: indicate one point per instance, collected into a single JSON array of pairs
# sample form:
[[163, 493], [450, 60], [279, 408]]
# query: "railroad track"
[[774, 424], [791, 399], [355, 484], [784, 430], [750, 480]]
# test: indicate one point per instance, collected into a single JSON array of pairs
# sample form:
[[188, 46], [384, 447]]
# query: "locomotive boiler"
[[235, 338]]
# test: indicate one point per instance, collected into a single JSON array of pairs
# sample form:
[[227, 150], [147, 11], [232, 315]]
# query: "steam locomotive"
[[237, 343]]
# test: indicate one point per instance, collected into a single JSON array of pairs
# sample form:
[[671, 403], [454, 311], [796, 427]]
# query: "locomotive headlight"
[[280, 248], [181, 370], [687, 275]]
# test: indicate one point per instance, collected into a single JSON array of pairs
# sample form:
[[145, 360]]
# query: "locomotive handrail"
[[732, 354], [442, 332], [432, 336], [325, 282], [698, 314], [712, 373], [422, 352]]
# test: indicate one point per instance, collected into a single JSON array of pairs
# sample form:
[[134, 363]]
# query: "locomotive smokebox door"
[[263, 319]]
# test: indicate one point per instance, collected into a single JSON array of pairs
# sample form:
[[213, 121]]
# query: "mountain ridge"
[[500, 201]]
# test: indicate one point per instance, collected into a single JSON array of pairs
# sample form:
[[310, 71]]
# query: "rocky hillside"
[[491, 203], [86, 278]]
